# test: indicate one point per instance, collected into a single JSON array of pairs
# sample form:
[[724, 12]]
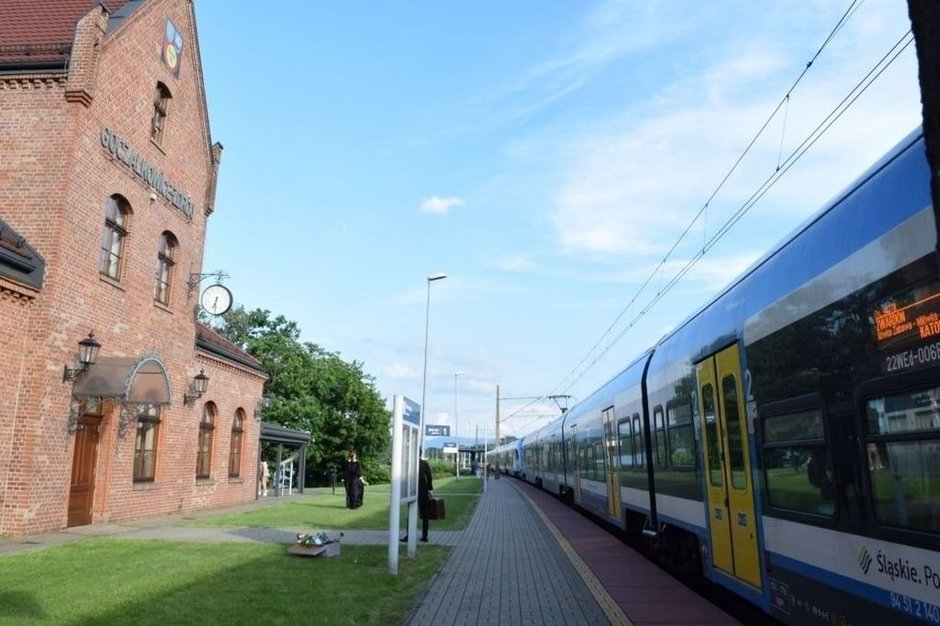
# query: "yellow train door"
[[612, 454], [730, 493]]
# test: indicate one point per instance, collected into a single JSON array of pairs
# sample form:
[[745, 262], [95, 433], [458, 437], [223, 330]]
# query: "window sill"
[[111, 281], [235, 480], [154, 143], [205, 482], [145, 486], [163, 307]]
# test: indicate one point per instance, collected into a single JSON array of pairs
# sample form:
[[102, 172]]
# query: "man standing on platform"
[[425, 487]]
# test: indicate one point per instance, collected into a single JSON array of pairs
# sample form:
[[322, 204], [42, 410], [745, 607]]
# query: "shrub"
[[441, 469]]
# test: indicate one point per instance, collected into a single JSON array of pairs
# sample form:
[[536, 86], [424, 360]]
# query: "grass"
[[322, 509], [117, 581], [113, 581]]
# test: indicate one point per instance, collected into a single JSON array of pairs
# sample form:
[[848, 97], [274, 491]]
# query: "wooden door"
[[84, 462]]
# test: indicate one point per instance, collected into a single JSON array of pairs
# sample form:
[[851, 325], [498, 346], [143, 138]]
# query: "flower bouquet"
[[315, 544]]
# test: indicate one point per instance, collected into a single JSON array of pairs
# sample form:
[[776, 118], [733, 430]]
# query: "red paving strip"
[[646, 594]]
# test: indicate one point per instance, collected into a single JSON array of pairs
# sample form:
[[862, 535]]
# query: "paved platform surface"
[[524, 559]]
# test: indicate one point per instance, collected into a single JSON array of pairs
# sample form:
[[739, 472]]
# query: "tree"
[[314, 390]]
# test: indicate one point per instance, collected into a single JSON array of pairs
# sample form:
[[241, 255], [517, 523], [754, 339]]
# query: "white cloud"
[[517, 263], [440, 204], [398, 371], [632, 183]]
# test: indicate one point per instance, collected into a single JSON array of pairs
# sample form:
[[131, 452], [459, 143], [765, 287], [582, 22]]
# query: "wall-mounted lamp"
[[263, 404], [198, 387], [87, 355]]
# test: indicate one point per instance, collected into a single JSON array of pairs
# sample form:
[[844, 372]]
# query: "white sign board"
[[406, 426]]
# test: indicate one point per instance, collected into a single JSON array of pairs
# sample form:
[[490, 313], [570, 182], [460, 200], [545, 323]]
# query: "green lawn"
[[320, 508], [112, 581]]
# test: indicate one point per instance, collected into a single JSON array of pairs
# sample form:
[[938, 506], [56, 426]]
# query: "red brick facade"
[[71, 138]]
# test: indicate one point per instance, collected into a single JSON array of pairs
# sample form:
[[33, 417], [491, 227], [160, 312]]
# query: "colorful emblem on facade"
[[864, 559], [172, 48]]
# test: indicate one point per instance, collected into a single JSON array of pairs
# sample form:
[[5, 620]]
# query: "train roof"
[[912, 138]]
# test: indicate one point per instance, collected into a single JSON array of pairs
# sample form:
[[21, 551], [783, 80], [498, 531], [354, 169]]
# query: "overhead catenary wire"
[[764, 187], [782, 167], [838, 26], [578, 372]]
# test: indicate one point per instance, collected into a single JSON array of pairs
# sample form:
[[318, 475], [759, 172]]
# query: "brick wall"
[[55, 179]]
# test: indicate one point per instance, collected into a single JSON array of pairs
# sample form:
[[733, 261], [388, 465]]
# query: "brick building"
[[107, 181]]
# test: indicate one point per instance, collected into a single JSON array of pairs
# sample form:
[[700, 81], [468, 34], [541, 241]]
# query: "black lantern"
[[198, 387], [87, 355]]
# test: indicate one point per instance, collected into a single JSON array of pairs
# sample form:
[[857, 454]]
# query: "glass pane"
[[678, 414], [660, 437], [639, 448], [799, 479], [682, 446], [905, 479], [712, 444], [626, 444], [798, 426], [736, 435], [914, 411]]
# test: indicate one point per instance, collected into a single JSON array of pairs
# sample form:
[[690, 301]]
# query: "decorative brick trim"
[[32, 81], [10, 290]]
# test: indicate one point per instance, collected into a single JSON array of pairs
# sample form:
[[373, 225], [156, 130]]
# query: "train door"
[[730, 494], [612, 455], [575, 458]]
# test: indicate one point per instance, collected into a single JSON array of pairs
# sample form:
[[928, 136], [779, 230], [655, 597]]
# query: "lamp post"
[[424, 378], [456, 425]]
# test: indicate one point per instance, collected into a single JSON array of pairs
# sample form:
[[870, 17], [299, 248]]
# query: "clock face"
[[216, 299]]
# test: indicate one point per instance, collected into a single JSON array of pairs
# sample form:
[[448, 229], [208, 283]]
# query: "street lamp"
[[456, 426], [424, 378]]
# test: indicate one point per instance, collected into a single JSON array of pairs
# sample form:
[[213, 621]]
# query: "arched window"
[[165, 263], [161, 103], [235, 451], [111, 256], [204, 448], [145, 446]]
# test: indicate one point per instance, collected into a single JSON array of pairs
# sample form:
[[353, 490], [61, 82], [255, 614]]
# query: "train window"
[[583, 462], [639, 448], [796, 462], [712, 443], [903, 458], [794, 426], [659, 436], [600, 462], [736, 434], [681, 435], [626, 444]]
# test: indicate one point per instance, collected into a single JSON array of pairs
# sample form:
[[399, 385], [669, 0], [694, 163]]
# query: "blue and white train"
[[784, 441]]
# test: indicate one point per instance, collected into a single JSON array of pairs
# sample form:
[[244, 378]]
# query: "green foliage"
[[441, 468], [314, 390], [376, 473]]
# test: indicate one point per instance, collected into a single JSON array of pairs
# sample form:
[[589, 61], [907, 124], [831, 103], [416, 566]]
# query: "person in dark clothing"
[[354, 482], [425, 487]]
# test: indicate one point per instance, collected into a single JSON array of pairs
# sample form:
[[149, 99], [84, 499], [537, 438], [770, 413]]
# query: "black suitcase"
[[435, 508]]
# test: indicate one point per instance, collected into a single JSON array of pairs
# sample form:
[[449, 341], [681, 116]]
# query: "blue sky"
[[545, 155]]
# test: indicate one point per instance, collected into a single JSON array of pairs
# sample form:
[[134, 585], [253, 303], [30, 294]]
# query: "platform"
[[526, 558]]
